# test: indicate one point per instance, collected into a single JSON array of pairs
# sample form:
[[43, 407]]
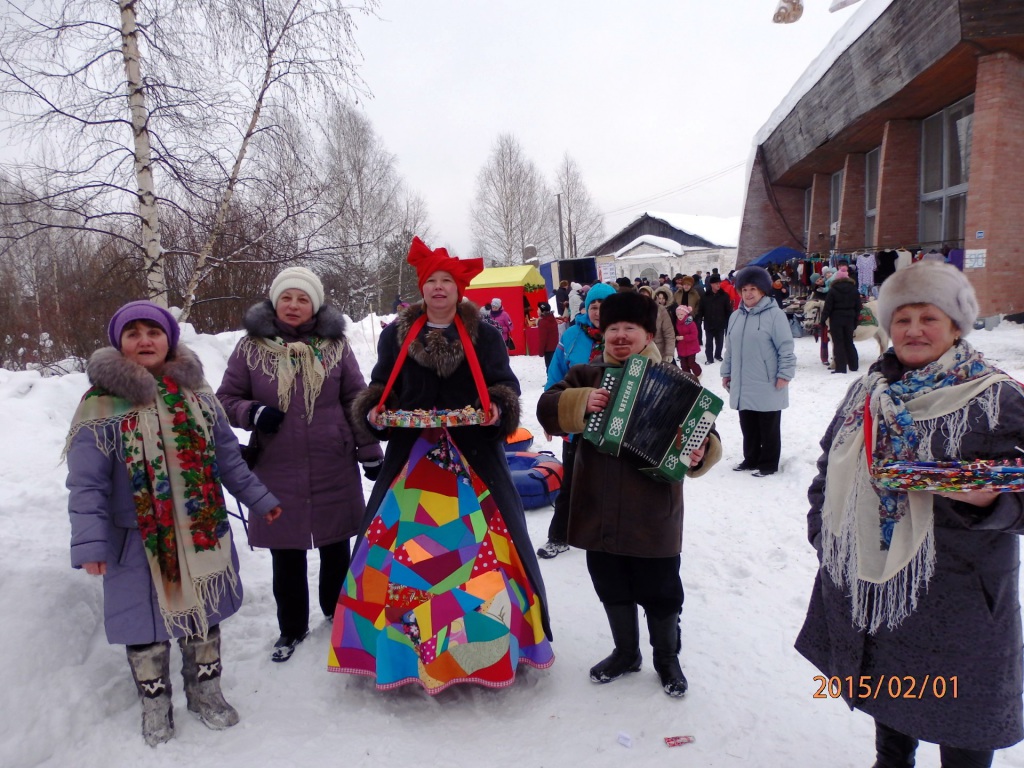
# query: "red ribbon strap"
[[867, 428], [471, 358]]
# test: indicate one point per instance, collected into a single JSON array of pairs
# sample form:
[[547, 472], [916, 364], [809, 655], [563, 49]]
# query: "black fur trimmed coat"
[[437, 375]]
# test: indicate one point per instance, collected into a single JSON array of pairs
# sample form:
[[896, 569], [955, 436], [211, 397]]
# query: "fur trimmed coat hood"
[[328, 323], [110, 369]]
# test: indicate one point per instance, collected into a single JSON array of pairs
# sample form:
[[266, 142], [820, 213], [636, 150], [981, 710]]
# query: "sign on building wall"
[[974, 258]]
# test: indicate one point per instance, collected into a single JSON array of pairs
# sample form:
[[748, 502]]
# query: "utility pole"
[[561, 239]]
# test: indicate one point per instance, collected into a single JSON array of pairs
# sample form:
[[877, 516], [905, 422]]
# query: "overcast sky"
[[648, 96]]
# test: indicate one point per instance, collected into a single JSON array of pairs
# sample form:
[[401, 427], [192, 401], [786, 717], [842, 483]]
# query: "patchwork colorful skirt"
[[436, 593]]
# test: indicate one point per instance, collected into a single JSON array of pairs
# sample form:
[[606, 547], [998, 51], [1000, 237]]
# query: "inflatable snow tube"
[[520, 440], [537, 477]]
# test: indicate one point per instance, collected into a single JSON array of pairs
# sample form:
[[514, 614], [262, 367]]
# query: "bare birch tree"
[[512, 206], [158, 106], [582, 223]]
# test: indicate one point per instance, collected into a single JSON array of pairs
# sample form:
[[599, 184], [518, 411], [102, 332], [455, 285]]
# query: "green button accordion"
[[656, 416]]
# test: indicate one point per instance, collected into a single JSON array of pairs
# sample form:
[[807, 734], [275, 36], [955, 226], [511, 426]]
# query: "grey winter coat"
[[758, 350], [436, 375], [310, 465], [966, 628], [104, 525]]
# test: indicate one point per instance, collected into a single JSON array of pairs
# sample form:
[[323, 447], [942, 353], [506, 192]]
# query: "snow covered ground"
[[68, 700]]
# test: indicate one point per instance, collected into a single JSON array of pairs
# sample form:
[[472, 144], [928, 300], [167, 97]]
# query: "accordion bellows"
[[656, 416]]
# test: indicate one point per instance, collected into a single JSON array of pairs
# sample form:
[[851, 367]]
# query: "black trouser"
[[762, 439], [650, 582], [291, 589], [716, 339], [700, 331], [559, 528], [547, 359], [843, 347], [896, 750]]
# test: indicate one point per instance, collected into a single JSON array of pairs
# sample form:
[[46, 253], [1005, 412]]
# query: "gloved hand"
[[371, 469], [266, 418]]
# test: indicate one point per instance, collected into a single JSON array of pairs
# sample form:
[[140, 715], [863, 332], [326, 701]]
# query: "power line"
[[682, 188]]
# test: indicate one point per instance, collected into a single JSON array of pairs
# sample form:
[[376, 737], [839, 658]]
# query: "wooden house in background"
[[914, 137], [667, 243]]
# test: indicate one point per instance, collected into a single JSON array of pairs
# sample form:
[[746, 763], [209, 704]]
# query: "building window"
[[870, 195], [945, 170], [835, 198]]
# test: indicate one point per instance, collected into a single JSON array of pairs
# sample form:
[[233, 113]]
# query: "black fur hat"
[[630, 307], [755, 276]]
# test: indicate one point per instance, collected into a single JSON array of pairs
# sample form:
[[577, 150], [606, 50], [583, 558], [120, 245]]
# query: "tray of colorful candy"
[[975, 475], [435, 417]]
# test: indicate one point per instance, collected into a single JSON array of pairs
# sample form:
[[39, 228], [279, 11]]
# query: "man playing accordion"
[[630, 524]]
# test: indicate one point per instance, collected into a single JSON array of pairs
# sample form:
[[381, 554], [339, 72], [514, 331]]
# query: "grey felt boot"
[[200, 666], [151, 666]]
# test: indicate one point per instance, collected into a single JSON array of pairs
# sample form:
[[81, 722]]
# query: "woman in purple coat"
[[147, 452], [292, 380]]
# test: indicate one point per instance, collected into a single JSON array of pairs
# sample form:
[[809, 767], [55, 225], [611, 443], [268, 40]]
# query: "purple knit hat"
[[143, 310]]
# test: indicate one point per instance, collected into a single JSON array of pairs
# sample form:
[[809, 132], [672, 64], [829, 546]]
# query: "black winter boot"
[[893, 749], [151, 666], [200, 666], [626, 635], [666, 644]]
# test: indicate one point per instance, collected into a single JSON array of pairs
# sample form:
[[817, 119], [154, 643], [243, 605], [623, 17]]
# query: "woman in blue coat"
[[758, 365], [148, 450], [575, 348]]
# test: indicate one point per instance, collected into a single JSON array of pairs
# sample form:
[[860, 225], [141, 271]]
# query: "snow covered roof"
[[663, 243], [720, 230], [855, 26]]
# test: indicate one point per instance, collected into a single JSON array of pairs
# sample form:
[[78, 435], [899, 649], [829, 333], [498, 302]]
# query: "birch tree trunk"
[[156, 285]]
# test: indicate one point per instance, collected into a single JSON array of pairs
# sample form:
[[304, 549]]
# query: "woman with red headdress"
[[444, 586]]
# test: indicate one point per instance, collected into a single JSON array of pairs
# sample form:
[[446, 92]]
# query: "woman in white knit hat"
[[915, 610], [292, 380]]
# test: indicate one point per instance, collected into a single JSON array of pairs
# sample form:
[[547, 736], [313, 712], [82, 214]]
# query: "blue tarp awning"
[[779, 255]]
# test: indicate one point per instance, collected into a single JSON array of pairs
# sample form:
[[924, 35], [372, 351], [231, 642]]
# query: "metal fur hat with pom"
[[930, 282]]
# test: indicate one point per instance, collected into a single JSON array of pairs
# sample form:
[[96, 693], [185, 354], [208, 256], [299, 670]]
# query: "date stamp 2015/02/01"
[[891, 686]]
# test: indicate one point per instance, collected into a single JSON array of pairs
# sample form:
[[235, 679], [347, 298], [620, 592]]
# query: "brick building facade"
[[913, 138]]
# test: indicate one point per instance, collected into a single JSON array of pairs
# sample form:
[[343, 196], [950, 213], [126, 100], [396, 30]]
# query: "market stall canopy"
[[779, 255], [518, 288]]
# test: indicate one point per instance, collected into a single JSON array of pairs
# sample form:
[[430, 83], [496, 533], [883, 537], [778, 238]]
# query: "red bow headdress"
[[426, 262]]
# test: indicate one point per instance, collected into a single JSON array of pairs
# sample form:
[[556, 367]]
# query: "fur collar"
[[259, 322], [440, 353], [110, 370]]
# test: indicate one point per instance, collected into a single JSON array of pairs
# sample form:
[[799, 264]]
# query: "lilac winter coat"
[[310, 466], [104, 526]]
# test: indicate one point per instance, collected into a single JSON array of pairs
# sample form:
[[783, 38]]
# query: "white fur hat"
[[930, 282], [302, 279]]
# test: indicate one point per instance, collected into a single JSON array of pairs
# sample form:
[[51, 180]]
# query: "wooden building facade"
[[913, 138]]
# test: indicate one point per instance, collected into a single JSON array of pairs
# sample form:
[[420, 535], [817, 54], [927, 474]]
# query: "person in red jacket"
[[547, 325]]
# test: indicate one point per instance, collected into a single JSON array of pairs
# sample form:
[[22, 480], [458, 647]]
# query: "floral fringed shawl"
[[168, 450]]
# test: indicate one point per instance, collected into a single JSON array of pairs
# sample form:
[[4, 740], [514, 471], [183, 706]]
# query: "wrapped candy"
[[435, 417], [981, 474]]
